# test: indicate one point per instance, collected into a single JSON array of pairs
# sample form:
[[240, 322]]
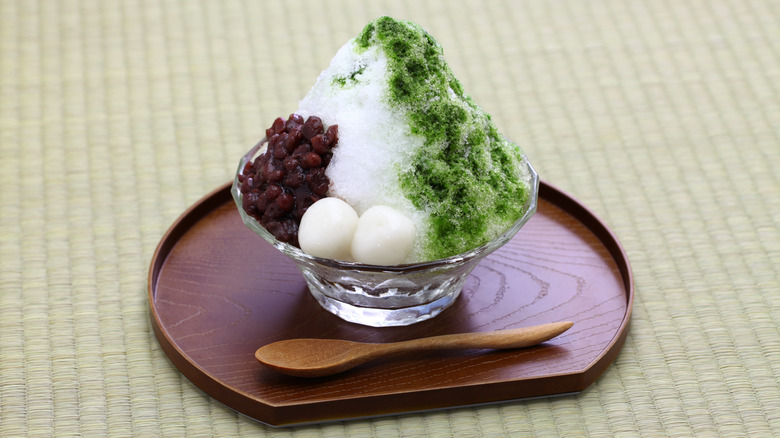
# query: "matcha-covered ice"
[[410, 138]]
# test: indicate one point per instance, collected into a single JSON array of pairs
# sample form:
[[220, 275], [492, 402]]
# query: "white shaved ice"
[[375, 141]]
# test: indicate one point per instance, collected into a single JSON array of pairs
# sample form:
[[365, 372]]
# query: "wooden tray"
[[217, 292]]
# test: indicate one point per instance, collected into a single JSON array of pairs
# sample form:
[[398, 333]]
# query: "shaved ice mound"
[[412, 140]]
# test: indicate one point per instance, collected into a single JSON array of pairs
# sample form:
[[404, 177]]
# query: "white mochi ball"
[[384, 236], [326, 229]]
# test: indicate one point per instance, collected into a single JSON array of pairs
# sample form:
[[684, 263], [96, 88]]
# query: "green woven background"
[[663, 117]]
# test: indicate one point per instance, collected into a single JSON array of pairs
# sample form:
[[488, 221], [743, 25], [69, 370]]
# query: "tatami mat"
[[663, 117]]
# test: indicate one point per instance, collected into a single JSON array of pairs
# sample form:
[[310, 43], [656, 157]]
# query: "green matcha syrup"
[[466, 174]]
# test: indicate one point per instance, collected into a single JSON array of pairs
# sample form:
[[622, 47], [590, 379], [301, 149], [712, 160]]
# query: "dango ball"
[[383, 236], [327, 228]]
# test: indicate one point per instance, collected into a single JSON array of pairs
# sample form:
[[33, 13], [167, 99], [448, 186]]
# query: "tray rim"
[[282, 415]]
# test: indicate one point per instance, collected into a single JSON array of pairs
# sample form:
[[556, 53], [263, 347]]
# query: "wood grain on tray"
[[218, 292]]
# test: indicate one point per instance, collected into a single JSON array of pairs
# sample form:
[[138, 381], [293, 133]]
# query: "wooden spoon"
[[323, 357]]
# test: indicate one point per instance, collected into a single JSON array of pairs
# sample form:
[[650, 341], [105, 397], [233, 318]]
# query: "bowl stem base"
[[384, 317]]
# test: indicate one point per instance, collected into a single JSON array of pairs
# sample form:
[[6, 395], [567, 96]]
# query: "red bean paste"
[[283, 182]]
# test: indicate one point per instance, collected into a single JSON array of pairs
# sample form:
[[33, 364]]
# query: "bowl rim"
[[298, 254]]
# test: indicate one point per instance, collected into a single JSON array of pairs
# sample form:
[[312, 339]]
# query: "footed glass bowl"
[[382, 296]]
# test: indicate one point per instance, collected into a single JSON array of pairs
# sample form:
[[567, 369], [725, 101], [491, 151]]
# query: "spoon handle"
[[500, 339]]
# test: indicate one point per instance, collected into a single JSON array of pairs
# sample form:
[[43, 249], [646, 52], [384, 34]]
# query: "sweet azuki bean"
[[295, 178], [312, 127], [285, 201], [330, 136], [282, 183], [318, 182], [312, 159], [276, 176], [276, 127], [318, 145], [292, 140], [302, 150], [279, 151], [273, 191]]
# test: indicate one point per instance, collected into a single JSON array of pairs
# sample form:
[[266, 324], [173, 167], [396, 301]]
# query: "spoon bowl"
[[324, 357]]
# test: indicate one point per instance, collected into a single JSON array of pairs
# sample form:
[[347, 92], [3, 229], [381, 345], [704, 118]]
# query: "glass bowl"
[[382, 296]]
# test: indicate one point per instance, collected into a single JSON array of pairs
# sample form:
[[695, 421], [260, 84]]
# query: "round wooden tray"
[[217, 292]]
